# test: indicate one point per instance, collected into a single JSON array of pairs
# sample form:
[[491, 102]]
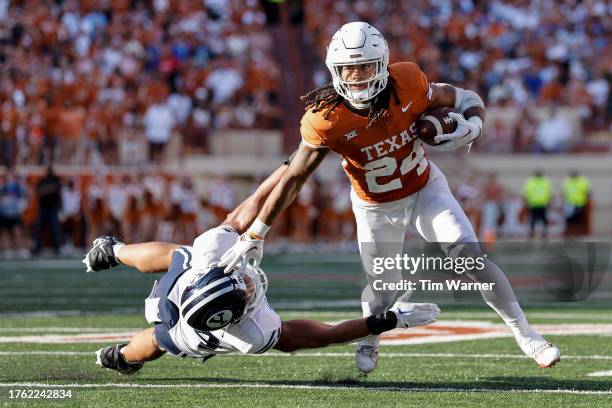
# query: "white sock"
[[520, 327], [502, 299], [123, 354]]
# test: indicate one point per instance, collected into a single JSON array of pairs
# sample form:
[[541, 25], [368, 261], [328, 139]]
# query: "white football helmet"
[[354, 44]]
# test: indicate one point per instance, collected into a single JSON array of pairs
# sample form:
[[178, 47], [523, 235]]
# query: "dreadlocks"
[[326, 97]]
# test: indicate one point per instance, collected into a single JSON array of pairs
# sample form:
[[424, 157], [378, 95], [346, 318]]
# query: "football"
[[435, 122]]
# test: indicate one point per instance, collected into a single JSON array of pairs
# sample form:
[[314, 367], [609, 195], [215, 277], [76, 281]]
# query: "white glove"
[[415, 314], [467, 130], [247, 248]]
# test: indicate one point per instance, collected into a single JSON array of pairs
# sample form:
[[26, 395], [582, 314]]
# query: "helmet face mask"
[[256, 283], [361, 47]]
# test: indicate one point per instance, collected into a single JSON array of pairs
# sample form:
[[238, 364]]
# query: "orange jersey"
[[385, 162]]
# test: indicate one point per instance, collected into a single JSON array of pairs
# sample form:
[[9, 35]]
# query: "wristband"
[[476, 120], [382, 322], [116, 248], [258, 229]]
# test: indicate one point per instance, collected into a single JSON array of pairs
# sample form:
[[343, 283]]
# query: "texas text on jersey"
[[385, 162]]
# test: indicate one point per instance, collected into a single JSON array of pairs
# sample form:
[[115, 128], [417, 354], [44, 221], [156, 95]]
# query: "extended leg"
[[109, 251], [147, 257], [380, 232], [142, 347], [128, 359], [439, 218]]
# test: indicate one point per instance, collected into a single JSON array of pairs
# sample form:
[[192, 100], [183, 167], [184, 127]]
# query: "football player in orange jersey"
[[367, 115]]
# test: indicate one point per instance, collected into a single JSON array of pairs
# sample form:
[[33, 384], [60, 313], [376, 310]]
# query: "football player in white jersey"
[[200, 311]]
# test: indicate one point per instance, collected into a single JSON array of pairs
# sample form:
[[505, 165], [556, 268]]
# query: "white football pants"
[[438, 217]]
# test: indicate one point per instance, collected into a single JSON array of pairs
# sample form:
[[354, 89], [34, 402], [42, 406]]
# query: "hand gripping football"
[[435, 122]]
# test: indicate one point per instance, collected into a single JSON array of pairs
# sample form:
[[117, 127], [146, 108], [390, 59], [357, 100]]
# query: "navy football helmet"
[[215, 299]]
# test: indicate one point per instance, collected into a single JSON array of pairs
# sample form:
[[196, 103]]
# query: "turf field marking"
[[310, 387], [601, 374], [301, 305], [65, 339], [450, 331], [71, 313], [63, 329], [47, 264], [439, 332], [328, 354], [47, 353], [309, 313], [531, 315]]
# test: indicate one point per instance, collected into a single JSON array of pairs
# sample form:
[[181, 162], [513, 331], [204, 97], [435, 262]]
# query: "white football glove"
[[247, 248], [415, 314], [467, 130]]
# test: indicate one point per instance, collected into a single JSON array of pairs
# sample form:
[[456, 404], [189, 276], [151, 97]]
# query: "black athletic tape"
[[381, 322]]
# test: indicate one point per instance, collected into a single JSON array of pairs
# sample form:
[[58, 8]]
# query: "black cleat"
[[111, 358], [101, 256]]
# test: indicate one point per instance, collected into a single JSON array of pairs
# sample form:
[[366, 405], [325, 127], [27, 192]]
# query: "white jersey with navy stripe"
[[255, 333]]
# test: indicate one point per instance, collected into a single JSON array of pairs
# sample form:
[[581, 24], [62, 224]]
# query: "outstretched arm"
[[302, 334], [245, 213], [156, 256], [278, 190], [305, 161]]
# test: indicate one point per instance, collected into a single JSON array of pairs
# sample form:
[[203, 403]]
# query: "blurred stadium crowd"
[[66, 213], [90, 81], [81, 78], [520, 54], [116, 82]]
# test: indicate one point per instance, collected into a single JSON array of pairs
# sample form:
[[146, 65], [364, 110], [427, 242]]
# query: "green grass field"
[[39, 299]]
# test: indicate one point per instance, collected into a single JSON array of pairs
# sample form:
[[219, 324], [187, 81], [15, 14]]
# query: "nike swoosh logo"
[[405, 108]]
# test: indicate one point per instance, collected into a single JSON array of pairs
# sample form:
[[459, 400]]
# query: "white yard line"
[[439, 332], [533, 315], [446, 316], [65, 329], [587, 315], [306, 387], [600, 374], [47, 353], [329, 354]]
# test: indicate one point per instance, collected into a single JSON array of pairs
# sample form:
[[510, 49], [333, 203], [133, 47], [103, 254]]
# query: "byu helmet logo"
[[219, 319]]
